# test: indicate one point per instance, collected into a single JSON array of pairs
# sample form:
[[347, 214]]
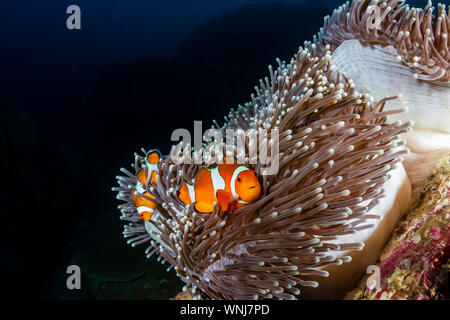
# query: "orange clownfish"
[[221, 184], [144, 206]]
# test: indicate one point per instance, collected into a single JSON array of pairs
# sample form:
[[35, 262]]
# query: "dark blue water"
[[76, 104]]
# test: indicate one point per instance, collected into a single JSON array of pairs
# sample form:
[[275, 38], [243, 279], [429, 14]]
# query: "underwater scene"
[[225, 150]]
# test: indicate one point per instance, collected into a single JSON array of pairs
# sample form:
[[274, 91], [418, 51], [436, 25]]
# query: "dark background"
[[76, 104]]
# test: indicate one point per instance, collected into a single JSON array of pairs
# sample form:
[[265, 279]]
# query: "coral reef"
[[415, 263]]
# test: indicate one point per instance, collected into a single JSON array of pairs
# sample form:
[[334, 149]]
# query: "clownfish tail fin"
[[153, 157]]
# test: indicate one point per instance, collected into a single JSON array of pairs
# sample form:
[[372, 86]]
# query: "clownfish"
[[144, 206], [222, 184]]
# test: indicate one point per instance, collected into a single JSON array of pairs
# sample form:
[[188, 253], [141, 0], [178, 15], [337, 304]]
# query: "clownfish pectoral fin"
[[183, 194], [153, 157], [223, 198], [204, 207]]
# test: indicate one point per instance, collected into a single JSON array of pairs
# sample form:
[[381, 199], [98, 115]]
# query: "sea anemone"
[[340, 170], [389, 49]]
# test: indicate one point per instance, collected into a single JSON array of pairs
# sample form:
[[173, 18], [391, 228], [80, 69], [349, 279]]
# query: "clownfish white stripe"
[[152, 168], [142, 209], [217, 180], [140, 188], [191, 190], [234, 177]]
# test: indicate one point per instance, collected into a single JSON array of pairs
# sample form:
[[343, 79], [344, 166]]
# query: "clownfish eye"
[[254, 173], [239, 179]]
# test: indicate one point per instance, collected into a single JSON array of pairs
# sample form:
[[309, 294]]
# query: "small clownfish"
[[221, 184], [144, 206]]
